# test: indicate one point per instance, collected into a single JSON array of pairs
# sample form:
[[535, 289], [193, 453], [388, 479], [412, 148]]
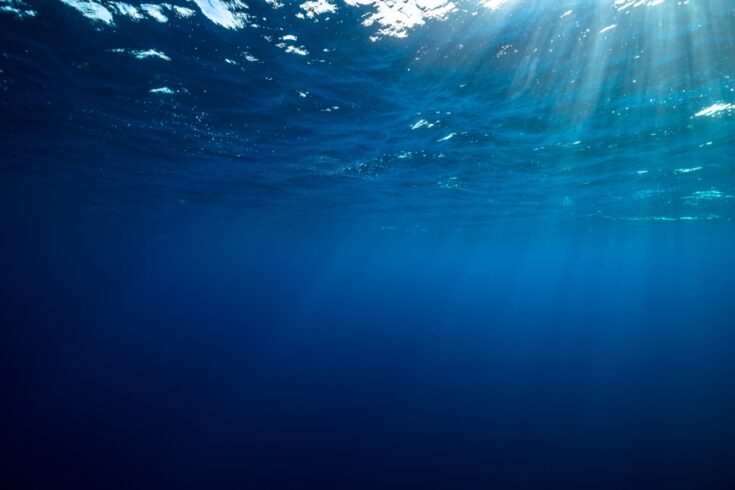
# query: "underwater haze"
[[367, 244]]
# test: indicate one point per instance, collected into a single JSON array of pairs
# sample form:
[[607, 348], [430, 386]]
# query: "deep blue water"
[[367, 244]]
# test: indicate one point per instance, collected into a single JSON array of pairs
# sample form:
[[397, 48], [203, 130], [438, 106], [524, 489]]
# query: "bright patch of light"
[[219, 13], [715, 109], [318, 7], [397, 17], [91, 10], [155, 11], [162, 90]]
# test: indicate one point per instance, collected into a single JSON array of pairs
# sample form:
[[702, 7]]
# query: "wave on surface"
[[397, 112]]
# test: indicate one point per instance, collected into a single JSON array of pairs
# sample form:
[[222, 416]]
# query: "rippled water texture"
[[408, 115]]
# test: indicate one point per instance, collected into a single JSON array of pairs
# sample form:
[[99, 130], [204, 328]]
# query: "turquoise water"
[[562, 113]]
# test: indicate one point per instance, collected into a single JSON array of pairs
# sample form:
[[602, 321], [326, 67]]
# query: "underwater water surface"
[[451, 244]]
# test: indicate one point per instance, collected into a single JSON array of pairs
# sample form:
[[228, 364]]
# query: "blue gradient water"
[[367, 244]]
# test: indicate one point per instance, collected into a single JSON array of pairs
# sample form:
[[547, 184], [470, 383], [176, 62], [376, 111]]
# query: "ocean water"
[[336, 244]]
